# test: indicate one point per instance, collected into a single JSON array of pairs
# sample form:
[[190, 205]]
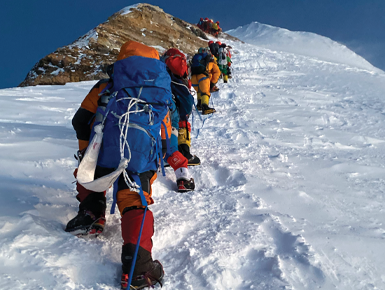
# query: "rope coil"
[[124, 121]]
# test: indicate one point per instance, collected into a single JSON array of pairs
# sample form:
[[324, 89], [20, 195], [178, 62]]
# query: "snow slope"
[[290, 193], [299, 42]]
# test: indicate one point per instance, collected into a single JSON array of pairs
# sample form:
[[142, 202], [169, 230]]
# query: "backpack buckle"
[[148, 109]]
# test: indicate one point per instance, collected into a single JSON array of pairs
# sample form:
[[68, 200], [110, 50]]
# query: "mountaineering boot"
[[148, 279], [146, 272], [206, 110], [194, 161], [90, 219], [205, 105], [185, 185], [184, 180], [86, 224]]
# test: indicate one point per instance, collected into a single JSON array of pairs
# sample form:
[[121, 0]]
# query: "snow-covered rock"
[[88, 56]]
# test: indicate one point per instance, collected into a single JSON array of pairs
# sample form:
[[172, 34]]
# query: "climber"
[[205, 74], [135, 61]]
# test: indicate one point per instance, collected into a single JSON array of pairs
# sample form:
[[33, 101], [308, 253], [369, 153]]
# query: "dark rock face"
[[87, 57]]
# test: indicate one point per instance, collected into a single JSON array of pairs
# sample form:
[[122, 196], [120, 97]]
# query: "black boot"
[[90, 219], [206, 110], [193, 160], [146, 273], [185, 185]]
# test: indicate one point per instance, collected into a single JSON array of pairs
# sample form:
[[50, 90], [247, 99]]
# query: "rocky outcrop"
[[87, 57]]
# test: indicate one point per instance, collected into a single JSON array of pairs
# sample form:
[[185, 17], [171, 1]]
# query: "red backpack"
[[176, 62]]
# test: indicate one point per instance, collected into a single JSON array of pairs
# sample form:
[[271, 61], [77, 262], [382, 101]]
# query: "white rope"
[[88, 164], [124, 121], [130, 98]]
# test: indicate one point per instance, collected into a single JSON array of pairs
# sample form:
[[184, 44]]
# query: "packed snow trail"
[[289, 195]]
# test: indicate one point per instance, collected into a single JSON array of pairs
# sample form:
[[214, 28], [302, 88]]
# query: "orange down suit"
[[201, 82]]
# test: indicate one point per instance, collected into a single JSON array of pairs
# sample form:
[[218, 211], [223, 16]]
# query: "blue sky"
[[29, 30]]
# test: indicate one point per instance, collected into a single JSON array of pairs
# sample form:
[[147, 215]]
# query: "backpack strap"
[[197, 85], [168, 152], [202, 79], [136, 178], [114, 195], [159, 154]]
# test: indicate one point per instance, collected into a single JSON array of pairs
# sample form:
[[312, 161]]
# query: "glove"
[[80, 154]]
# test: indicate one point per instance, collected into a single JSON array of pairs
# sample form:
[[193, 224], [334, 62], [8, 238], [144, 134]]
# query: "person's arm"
[[82, 125], [82, 121], [215, 72]]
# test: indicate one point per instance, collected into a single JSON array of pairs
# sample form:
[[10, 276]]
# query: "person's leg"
[[147, 272], [199, 102], [204, 87], [195, 84], [183, 177], [90, 219], [184, 143]]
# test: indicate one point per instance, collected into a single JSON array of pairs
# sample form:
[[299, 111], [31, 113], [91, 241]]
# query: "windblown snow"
[[290, 193], [85, 39], [299, 42], [128, 9]]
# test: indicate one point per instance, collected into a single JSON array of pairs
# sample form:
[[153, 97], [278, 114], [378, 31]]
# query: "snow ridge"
[[299, 42]]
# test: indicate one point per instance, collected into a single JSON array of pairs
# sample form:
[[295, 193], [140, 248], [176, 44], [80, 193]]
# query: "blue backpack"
[[138, 99], [199, 63]]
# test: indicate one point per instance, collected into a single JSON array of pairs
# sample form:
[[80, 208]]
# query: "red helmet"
[[217, 22], [206, 18], [219, 42], [210, 42], [201, 19]]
